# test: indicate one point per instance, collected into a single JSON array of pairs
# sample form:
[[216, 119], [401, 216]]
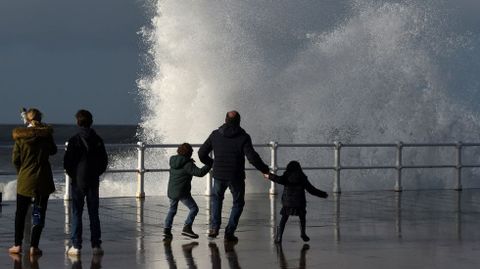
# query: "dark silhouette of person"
[[33, 146], [182, 170], [230, 145], [84, 161], [294, 202]]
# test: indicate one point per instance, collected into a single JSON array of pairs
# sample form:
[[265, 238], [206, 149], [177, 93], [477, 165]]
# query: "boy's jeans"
[[188, 202], [78, 201]]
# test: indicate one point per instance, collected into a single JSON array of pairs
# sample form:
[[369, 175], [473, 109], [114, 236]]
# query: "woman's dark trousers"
[[40, 208]]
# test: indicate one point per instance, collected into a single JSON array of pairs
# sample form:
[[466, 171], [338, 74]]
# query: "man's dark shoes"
[[187, 231], [212, 233], [231, 238], [167, 234]]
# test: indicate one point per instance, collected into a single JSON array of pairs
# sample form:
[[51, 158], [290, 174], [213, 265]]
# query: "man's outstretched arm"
[[253, 157]]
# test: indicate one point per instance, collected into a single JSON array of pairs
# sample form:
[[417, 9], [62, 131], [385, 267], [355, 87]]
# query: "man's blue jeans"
[[188, 202], [237, 188], [78, 201]]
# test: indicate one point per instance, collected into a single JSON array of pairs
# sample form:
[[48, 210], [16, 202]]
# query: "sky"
[[63, 55]]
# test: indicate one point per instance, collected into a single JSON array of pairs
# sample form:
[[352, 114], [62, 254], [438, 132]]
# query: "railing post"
[[208, 189], [459, 166], [68, 181], [273, 165], [338, 167], [141, 170], [398, 183]]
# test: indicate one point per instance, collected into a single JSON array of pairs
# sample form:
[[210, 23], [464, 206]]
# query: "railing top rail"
[[110, 145], [169, 145], [286, 145], [369, 145], [294, 145], [470, 144], [431, 144]]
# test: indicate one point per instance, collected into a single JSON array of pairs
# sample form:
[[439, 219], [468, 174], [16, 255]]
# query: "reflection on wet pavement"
[[422, 229]]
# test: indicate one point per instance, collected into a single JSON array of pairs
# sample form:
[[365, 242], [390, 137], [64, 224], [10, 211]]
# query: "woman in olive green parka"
[[33, 146]]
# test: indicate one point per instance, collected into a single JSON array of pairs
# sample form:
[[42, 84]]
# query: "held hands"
[[324, 195], [267, 176]]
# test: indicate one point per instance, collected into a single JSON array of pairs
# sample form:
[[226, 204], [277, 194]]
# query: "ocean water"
[[359, 71], [111, 134]]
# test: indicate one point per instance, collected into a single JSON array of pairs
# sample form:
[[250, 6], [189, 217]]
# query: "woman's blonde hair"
[[34, 116]]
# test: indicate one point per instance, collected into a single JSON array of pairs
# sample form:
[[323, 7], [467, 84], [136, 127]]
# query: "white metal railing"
[[337, 166]]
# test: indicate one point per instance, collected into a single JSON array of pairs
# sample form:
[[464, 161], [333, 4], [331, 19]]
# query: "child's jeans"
[[188, 202]]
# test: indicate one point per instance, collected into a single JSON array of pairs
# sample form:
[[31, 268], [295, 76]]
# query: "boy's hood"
[[178, 161]]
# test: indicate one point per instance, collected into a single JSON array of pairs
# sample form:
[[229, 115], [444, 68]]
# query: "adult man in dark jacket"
[[230, 144], [84, 161]]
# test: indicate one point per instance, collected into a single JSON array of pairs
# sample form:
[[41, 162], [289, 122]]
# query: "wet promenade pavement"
[[413, 229]]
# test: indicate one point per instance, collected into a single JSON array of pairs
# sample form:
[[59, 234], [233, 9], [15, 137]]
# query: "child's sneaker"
[[187, 231], [305, 238], [167, 234], [97, 250], [73, 251]]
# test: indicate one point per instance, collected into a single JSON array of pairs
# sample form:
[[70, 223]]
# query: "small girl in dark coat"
[[293, 198]]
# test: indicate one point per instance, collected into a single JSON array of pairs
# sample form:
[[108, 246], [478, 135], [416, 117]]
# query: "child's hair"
[[185, 149], [293, 167], [84, 118]]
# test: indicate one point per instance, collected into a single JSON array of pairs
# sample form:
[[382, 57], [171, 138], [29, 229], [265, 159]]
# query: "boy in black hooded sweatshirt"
[[84, 161]]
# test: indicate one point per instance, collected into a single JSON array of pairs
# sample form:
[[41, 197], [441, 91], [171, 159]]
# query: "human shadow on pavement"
[[283, 261], [187, 253], [76, 261], [25, 261], [230, 253]]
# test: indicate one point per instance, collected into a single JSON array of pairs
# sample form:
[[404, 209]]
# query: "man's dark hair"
[[84, 118], [185, 149], [233, 117]]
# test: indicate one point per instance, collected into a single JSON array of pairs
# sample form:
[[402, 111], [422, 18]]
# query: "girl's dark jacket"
[[182, 169], [295, 185], [85, 159], [33, 146]]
